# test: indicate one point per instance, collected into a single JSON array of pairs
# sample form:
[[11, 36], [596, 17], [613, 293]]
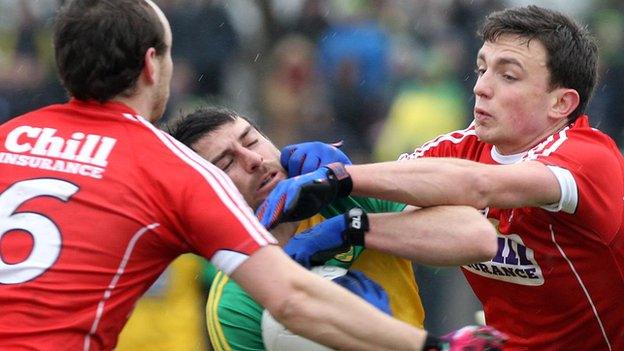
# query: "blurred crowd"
[[382, 75]]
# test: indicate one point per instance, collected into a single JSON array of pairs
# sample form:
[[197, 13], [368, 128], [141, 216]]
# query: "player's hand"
[[366, 288], [473, 338], [307, 157], [325, 240], [304, 196]]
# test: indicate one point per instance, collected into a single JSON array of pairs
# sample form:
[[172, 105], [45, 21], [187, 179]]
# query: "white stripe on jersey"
[[542, 149], [419, 152], [107, 293], [578, 278], [219, 181], [130, 117]]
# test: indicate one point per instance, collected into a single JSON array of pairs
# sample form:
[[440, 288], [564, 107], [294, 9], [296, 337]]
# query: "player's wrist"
[[356, 227], [338, 175]]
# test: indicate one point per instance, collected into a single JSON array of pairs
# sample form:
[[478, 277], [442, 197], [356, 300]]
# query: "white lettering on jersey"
[[92, 149], [90, 152], [514, 263]]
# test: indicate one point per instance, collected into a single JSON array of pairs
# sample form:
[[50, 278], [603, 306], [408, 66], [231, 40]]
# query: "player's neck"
[[532, 142], [142, 106]]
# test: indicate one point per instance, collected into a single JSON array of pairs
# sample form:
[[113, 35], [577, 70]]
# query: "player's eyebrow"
[[245, 132], [502, 61], [226, 151]]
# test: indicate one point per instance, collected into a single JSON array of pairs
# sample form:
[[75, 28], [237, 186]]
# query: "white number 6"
[[46, 236]]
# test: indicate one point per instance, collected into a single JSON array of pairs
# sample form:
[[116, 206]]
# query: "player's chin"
[[483, 132]]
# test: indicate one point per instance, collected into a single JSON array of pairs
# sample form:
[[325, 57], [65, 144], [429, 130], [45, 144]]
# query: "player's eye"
[[251, 143], [225, 164], [509, 77], [479, 71], [228, 166]]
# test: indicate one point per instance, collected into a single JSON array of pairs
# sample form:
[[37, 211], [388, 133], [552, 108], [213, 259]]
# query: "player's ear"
[[150, 68], [563, 102]]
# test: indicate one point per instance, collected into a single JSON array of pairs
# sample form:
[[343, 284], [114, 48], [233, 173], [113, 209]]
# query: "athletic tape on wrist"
[[337, 172], [357, 226]]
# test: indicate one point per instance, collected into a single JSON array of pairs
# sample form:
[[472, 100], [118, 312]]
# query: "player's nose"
[[252, 160]]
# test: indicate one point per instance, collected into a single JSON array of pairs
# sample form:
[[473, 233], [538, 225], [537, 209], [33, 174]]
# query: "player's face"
[[165, 68], [512, 94], [247, 156]]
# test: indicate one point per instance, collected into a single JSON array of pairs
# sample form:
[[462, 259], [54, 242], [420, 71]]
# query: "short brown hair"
[[100, 45]]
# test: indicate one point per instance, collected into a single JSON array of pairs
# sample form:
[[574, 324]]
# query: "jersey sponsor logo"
[[81, 154], [514, 263]]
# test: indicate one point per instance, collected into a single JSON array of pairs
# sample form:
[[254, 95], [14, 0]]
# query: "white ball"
[[278, 338]]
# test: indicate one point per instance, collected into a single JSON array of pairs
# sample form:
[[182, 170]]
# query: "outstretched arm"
[[448, 181], [437, 236], [423, 182]]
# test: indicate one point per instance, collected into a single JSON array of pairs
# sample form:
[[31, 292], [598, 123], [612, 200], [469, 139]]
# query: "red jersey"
[[557, 281], [95, 202]]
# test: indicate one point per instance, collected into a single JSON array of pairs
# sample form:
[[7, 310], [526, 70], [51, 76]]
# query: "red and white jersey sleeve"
[[557, 280], [94, 204]]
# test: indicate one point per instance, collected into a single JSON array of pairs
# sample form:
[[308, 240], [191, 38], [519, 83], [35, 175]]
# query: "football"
[[278, 338]]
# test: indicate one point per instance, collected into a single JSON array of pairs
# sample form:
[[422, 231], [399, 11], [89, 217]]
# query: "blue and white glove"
[[325, 240], [307, 157], [364, 287], [304, 196]]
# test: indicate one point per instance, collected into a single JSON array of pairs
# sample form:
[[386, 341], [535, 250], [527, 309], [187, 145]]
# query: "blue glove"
[[304, 196], [364, 287], [325, 240], [304, 158]]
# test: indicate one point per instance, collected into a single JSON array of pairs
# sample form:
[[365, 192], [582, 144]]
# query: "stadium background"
[[384, 76]]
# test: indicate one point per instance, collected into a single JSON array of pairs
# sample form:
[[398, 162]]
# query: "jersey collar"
[[505, 159], [111, 106]]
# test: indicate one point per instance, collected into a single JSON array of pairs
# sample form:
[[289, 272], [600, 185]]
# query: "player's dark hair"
[[100, 45], [572, 51], [194, 126]]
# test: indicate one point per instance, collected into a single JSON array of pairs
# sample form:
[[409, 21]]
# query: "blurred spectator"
[[204, 38], [26, 78], [294, 101], [607, 105], [426, 107], [353, 61]]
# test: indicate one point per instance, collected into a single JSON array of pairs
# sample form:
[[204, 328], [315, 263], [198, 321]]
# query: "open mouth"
[[269, 177]]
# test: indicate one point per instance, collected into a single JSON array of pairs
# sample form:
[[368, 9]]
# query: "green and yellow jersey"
[[234, 318]]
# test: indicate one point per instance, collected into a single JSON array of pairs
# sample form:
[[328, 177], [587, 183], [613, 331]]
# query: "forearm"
[[422, 182], [437, 236], [320, 310]]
